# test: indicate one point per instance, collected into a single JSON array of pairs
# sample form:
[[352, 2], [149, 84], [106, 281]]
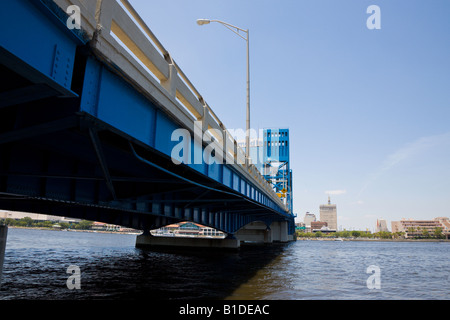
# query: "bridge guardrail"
[[120, 37]]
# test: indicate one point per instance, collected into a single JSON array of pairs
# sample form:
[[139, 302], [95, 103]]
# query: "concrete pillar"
[[275, 227], [279, 231], [268, 236], [284, 231], [255, 232], [3, 236]]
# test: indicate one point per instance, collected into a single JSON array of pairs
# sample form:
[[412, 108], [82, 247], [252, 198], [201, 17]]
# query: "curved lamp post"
[[237, 30]]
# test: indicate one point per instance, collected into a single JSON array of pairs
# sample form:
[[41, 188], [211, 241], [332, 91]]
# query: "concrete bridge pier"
[[279, 231], [259, 232], [255, 232], [147, 240], [3, 236]]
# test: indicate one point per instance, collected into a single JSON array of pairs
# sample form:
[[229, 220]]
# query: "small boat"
[[338, 239]]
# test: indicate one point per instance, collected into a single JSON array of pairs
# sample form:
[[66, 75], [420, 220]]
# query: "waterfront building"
[[445, 223], [417, 228], [328, 214], [100, 226], [211, 232], [187, 229], [318, 225], [381, 225]]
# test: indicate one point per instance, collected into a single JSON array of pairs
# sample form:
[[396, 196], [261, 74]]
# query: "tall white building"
[[309, 217], [328, 214]]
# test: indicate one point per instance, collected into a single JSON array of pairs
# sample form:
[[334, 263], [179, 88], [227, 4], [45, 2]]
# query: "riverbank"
[[75, 230], [371, 239], [297, 239]]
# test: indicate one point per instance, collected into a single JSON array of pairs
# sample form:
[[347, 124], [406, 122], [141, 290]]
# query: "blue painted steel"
[[276, 151], [118, 104], [43, 43], [276, 142], [91, 89]]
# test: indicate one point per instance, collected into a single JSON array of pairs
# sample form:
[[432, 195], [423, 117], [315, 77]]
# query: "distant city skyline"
[[367, 109]]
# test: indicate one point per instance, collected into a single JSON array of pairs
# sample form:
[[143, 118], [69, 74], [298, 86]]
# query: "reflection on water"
[[112, 268], [338, 270]]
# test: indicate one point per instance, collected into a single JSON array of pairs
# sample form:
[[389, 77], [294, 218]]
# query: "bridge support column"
[[259, 233], [268, 236], [279, 231], [255, 232], [149, 241], [3, 236]]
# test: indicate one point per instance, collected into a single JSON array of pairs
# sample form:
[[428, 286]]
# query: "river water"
[[111, 268]]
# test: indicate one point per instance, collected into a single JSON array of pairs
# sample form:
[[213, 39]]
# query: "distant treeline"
[[30, 223], [424, 234]]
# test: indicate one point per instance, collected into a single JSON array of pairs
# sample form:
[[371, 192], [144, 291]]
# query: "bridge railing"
[[122, 39]]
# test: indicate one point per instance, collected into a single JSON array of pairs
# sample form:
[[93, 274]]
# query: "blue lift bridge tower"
[[276, 163], [271, 156]]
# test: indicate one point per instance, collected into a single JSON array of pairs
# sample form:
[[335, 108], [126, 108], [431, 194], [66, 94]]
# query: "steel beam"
[[33, 75], [102, 160]]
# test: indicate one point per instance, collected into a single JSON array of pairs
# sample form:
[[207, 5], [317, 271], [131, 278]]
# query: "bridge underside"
[[63, 151], [55, 160]]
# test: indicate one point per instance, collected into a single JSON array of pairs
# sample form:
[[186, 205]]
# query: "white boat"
[[338, 239]]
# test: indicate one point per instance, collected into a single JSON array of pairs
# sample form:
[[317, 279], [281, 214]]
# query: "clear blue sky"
[[368, 110]]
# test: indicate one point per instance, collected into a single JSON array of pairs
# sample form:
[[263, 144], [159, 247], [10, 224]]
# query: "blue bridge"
[[90, 102]]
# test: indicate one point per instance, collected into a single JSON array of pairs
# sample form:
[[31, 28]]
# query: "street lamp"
[[237, 31], [201, 22]]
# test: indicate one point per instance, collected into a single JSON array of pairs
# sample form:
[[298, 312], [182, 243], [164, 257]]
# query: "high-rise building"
[[309, 217], [381, 225], [328, 214]]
